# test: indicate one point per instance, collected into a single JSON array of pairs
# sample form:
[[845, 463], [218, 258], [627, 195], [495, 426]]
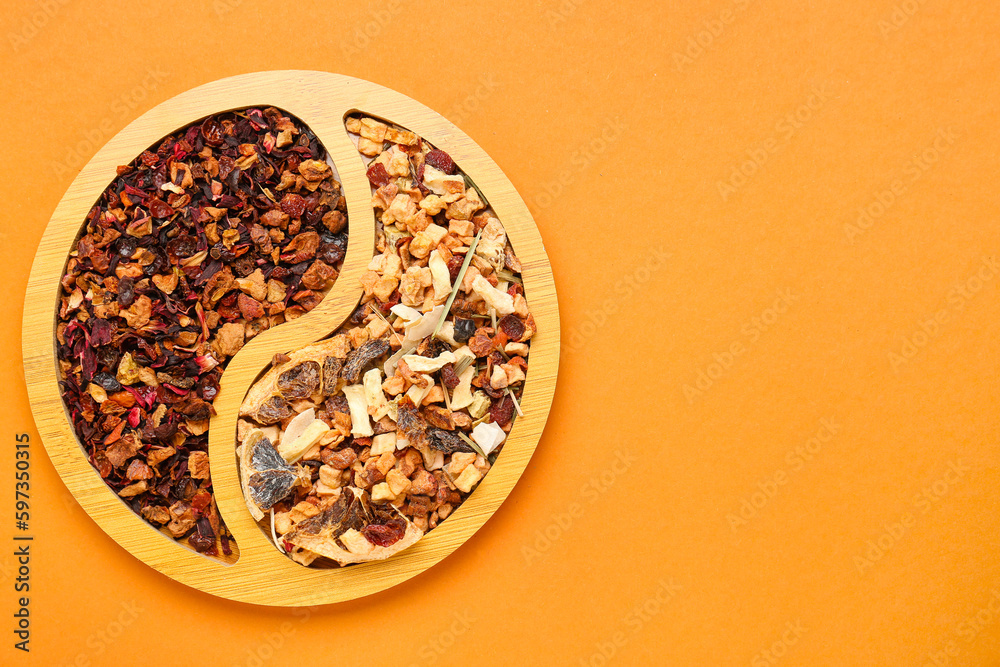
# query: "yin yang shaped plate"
[[257, 572]]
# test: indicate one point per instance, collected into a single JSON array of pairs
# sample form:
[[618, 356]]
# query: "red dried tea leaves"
[[199, 244]]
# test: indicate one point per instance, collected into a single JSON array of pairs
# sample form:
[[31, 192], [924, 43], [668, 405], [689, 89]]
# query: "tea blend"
[[229, 227], [354, 447]]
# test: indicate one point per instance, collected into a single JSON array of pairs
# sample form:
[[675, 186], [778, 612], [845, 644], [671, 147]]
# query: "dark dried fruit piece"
[[447, 441], [512, 326], [502, 410], [359, 359], [160, 208], [274, 410], [268, 478], [378, 176], [269, 487], [440, 160], [448, 376], [331, 369], [387, 534], [439, 417], [464, 329], [293, 205], [410, 423], [455, 266], [107, 382], [300, 381]]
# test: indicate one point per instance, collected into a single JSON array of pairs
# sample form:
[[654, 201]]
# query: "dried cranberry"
[[385, 535], [440, 160], [293, 205], [512, 326], [378, 176]]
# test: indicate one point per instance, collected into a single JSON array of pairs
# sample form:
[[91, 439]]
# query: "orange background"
[[697, 174]]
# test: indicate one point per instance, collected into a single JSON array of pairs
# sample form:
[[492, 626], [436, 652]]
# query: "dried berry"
[[448, 376], [126, 292], [182, 247], [511, 326], [211, 131], [440, 160], [502, 410], [160, 208], [385, 535], [378, 176], [293, 205]]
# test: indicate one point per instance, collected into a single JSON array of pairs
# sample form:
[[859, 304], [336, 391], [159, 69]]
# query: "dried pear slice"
[[265, 400], [264, 475], [352, 529]]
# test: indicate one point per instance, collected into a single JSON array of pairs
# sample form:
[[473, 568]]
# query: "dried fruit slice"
[[352, 529], [265, 399], [265, 476]]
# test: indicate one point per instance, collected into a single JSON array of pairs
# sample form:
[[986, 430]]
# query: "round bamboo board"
[[258, 573]]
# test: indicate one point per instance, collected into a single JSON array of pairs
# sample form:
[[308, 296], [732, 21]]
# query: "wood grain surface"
[[260, 574]]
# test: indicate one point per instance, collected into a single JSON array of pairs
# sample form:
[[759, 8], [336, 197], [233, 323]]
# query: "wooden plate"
[[261, 574]]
